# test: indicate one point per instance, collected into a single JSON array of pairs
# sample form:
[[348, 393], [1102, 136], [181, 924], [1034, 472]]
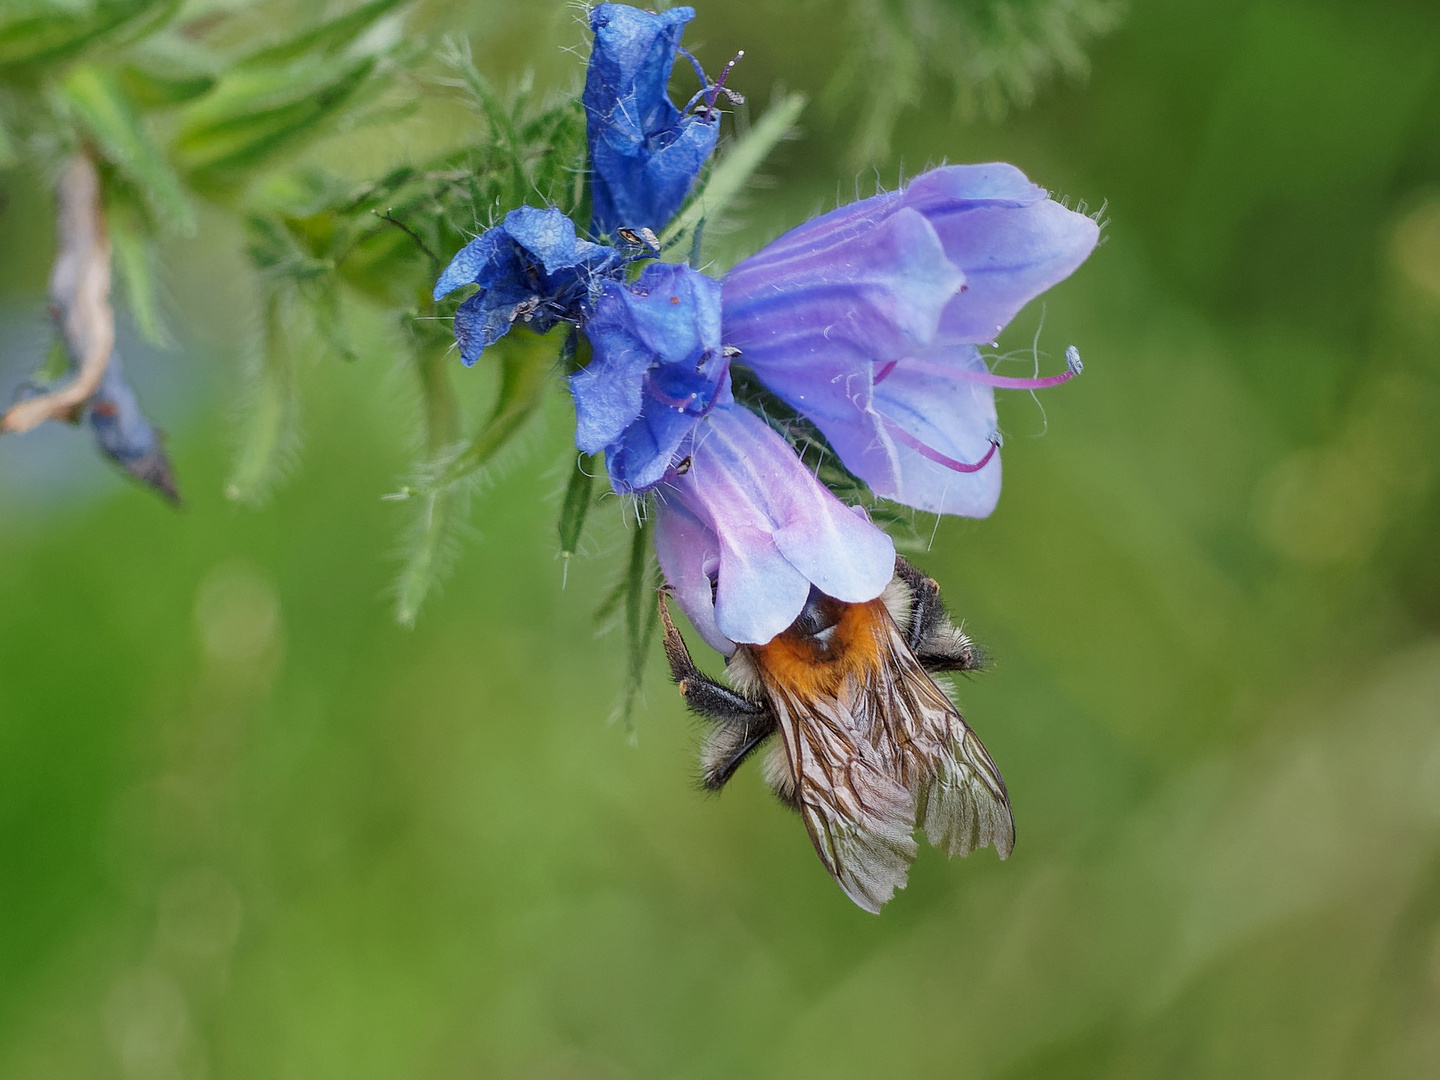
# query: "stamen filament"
[[1073, 367], [927, 451], [720, 84]]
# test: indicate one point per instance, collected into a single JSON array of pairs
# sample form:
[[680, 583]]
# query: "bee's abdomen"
[[830, 641]]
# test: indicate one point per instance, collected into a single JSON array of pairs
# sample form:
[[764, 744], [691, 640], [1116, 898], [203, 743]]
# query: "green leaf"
[[44, 31], [501, 119], [95, 97], [576, 507], [429, 549], [328, 37], [135, 258], [525, 361], [253, 114], [729, 177], [9, 152], [642, 617], [270, 433], [152, 89]]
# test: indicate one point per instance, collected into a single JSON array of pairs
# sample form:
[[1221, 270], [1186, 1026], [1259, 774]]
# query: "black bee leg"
[[710, 699], [727, 747], [932, 637], [924, 603], [741, 724]]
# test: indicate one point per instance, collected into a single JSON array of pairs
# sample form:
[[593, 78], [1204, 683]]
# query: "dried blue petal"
[[126, 437], [533, 268], [658, 367], [644, 153]]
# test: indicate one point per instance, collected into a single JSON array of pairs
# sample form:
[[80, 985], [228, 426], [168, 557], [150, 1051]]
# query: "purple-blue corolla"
[[530, 268], [658, 367], [644, 152], [743, 530], [866, 320]]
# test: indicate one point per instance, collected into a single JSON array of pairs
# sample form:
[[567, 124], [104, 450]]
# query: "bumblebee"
[[870, 747]]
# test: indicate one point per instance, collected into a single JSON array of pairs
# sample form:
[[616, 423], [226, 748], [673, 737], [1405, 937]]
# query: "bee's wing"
[[860, 818], [920, 735]]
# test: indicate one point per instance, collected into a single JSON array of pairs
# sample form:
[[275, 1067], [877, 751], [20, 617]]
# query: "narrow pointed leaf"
[[9, 151], [576, 507], [134, 254], [254, 114], [641, 617], [270, 432], [328, 37], [152, 88], [34, 32], [526, 360], [96, 98]]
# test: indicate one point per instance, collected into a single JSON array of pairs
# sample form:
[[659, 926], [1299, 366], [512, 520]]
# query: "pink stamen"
[[1073, 367], [927, 451]]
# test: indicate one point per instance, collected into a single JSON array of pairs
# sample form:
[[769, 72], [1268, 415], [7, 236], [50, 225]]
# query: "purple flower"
[[530, 268], [866, 320], [743, 530], [658, 367], [644, 152]]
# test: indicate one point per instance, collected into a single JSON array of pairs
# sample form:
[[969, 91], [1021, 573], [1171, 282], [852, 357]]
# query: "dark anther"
[[684, 466]]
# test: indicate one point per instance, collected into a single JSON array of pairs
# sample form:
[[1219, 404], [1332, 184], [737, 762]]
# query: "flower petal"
[[689, 555], [644, 154], [954, 417], [484, 319], [778, 529], [1009, 239], [549, 235], [657, 368], [676, 311], [809, 324], [642, 455], [470, 262], [607, 391]]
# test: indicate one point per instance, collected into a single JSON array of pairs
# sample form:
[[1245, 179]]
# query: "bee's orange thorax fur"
[[807, 667]]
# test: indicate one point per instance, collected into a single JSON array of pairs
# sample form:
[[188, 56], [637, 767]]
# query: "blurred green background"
[[249, 828]]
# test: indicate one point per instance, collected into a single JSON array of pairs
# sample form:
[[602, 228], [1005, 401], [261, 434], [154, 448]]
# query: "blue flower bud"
[[644, 153]]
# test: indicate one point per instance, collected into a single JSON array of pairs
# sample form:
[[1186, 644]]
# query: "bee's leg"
[[726, 748], [932, 637], [741, 724]]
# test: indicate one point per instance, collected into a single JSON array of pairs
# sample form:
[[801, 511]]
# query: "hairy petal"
[[953, 417], [657, 368], [1006, 235], [864, 320], [689, 555], [778, 530], [532, 266], [811, 322]]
